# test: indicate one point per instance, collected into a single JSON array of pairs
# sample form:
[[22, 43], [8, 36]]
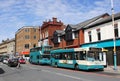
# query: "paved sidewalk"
[[111, 69]]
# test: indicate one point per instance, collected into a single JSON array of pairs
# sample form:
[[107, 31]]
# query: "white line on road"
[[60, 74], [65, 75]]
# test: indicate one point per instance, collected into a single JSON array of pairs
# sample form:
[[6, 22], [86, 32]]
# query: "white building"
[[7, 46], [101, 34]]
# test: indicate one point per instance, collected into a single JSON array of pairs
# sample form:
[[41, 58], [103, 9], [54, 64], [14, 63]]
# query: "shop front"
[[109, 45]]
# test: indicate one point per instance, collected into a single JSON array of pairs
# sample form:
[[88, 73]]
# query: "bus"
[[45, 59], [78, 58], [40, 55]]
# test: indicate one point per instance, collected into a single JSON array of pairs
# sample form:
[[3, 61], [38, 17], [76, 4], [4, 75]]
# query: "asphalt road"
[[30, 72]]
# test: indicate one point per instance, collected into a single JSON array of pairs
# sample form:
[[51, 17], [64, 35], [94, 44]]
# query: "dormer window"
[[68, 34], [56, 38]]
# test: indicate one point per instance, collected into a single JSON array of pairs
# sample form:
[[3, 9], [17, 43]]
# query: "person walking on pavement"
[[18, 66]]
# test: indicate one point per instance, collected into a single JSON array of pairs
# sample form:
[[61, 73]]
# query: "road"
[[29, 72]]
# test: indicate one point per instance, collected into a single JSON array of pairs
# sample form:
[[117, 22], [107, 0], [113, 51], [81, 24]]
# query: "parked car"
[[5, 60], [13, 62], [1, 59], [22, 61]]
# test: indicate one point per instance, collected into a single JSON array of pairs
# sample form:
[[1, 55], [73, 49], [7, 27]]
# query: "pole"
[[40, 36], [114, 39]]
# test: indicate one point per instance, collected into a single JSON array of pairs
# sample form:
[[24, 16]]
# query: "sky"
[[15, 14]]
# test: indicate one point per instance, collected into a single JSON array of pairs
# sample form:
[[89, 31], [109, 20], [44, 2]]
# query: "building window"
[[69, 43], [98, 34], [116, 30], [43, 35], [26, 46], [34, 37], [34, 30], [46, 34], [34, 45], [76, 34], [26, 30], [90, 37], [27, 37], [61, 38]]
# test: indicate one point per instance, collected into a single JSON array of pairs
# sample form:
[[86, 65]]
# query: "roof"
[[25, 27], [104, 20], [60, 32], [87, 22]]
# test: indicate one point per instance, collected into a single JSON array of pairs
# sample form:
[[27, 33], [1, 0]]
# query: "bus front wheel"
[[76, 67]]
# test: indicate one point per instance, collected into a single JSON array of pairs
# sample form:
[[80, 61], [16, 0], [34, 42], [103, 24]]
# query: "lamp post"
[[114, 39], [40, 36]]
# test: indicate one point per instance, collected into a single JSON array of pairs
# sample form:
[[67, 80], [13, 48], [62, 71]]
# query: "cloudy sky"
[[15, 14]]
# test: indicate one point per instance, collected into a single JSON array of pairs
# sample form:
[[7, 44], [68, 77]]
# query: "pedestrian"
[[18, 66]]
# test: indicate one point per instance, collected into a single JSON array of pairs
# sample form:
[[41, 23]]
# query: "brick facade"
[[26, 38], [47, 30]]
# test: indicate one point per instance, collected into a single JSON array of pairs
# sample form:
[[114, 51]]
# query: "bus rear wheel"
[[56, 65], [76, 67]]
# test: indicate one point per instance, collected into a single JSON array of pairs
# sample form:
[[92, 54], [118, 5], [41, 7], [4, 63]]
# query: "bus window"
[[37, 57], [93, 55], [80, 55], [64, 56], [31, 57], [76, 56], [56, 56], [69, 56]]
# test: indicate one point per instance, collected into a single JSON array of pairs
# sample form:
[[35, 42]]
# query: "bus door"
[[70, 59], [102, 57]]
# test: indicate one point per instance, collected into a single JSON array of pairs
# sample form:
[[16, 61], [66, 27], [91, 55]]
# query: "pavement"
[[111, 69]]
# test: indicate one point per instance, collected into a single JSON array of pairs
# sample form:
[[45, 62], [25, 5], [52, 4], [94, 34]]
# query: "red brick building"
[[73, 35], [47, 29], [68, 38]]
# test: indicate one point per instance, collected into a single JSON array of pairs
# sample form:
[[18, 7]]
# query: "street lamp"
[[114, 39]]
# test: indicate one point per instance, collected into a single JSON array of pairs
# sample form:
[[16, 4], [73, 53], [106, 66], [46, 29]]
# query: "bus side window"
[[82, 55], [60, 56], [69, 57], [37, 57], [64, 56], [53, 55], [31, 57], [76, 56]]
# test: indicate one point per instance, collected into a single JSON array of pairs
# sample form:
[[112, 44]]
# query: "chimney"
[[54, 19]]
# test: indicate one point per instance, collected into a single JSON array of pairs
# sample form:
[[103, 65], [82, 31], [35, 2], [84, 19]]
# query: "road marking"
[[60, 74], [65, 75], [74, 77]]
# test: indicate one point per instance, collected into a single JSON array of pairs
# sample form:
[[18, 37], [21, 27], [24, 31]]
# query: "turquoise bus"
[[45, 59], [78, 58], [40, 55]]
